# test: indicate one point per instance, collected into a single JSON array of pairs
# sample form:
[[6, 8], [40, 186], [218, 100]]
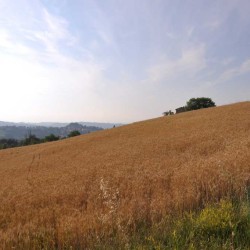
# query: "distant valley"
[[59, 124], [21, 130]]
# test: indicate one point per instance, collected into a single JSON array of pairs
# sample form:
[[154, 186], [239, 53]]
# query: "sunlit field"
[[180, 181]]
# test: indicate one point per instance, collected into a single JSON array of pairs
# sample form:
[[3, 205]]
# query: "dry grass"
[[73, 192]]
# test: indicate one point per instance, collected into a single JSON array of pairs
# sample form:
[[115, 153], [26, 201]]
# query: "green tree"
[[8, 143], [200, 103], [30, 140], [74, 133], [51, 137]]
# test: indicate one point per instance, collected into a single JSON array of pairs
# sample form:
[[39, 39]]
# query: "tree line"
[[32, 139]]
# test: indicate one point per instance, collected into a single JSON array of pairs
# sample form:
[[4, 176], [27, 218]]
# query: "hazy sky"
[[120, 60]]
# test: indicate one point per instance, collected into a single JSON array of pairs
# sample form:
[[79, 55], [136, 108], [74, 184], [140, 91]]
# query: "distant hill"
[[59, 124], [21, 131]]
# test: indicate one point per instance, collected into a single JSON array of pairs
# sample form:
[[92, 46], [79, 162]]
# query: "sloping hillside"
[[141, 171]]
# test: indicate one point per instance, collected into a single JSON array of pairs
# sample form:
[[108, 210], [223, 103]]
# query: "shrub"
[[74, 133]]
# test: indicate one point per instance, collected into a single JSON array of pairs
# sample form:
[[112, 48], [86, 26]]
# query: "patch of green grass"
[[219, 226], [225, 225]]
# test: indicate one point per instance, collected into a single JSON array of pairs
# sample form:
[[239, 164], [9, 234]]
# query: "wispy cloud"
[[40, 74], [191, 62], [55, 30], [119, 60], [213, 24], [45, 42], [233, 72], [9, 45]]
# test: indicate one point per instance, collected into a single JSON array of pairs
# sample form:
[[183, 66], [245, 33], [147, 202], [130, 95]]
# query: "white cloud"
[[227, 61], [44, 81], [39, 35], [10, 46], [231, 73], [214, 24], [62, 93], [4, 38], [189, 64], [190, 31], [55, 30], [171, 35]]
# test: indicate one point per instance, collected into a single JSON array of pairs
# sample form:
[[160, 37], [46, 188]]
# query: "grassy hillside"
[[119, 186]]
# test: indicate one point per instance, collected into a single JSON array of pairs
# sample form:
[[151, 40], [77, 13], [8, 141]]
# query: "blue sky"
[[120, 60]]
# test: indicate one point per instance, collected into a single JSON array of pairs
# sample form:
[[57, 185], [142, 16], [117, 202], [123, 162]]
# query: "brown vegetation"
[[76, 190]]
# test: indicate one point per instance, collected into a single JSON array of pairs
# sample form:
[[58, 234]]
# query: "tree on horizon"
[[200, 103]]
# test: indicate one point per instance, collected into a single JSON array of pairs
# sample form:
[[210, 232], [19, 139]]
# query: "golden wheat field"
[[143, 171]]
